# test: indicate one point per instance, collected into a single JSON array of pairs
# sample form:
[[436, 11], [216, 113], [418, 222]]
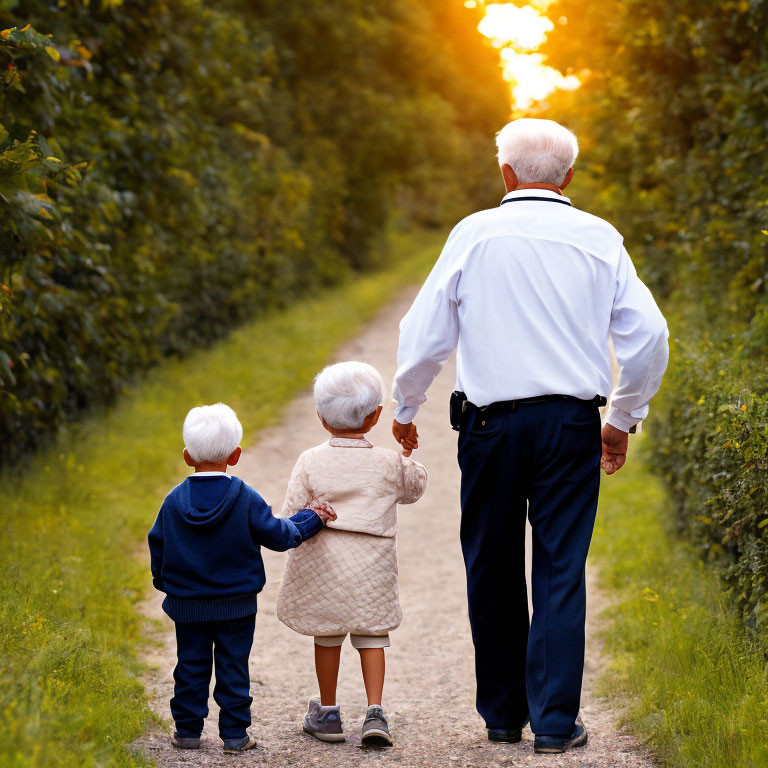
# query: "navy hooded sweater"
[[205, 547]]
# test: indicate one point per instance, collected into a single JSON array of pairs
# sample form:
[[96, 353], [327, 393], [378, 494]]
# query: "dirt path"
[[429, 693]]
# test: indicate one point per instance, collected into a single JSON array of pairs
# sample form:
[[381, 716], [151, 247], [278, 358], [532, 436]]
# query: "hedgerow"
[[711, 448], [671, 117], [170, 168]]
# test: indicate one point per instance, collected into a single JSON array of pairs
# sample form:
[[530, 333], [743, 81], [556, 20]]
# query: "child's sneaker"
[[185, 742], [323, 723], [376, 728], [233, 746]]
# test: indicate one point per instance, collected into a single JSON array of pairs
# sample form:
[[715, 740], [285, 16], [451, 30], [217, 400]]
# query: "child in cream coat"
[[344, 580]]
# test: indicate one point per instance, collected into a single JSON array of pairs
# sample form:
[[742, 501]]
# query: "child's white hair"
[[211, 433], [346, 393], [538, 151]]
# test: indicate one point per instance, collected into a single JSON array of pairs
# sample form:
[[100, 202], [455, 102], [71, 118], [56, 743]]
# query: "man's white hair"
[[346, 393], [211, 433], [538, 151]]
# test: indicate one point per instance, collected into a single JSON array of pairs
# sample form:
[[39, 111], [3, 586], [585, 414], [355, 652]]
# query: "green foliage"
[[671, 118], [712, 451], [75, 517], [693, 680], [216, 160]]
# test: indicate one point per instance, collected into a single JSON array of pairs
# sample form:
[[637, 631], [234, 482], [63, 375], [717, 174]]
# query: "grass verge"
[[692, 675], [73, 517]]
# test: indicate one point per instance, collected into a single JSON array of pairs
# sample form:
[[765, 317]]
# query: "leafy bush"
[[212, 161], [711, 448], [671, 117]]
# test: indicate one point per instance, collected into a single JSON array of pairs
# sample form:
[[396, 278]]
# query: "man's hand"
[[614, 449], [323, 510], [406, 435]]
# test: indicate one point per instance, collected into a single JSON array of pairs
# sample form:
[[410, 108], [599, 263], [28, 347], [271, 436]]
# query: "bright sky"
[[518, 31]]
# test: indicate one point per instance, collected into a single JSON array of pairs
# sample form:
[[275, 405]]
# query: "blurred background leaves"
[[168, 169]]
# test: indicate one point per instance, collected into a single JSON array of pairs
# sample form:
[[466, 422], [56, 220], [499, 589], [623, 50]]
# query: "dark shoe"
[[557, 744], [323, 723], [507, 735], [376, 729], [234, 746], [185, 742]]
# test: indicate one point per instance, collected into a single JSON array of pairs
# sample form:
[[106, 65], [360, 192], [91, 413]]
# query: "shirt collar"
[[544, 194], [349, 442], [210, 474]]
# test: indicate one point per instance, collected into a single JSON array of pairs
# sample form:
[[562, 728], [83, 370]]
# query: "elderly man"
[[532, 292]]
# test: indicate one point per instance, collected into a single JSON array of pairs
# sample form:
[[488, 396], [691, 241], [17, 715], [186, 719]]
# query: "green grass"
[[75, 515], [692, 675]]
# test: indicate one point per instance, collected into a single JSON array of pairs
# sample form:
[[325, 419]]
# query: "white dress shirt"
[[531, 292]]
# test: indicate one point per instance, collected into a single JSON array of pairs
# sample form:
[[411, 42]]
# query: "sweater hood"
[[205, 517]]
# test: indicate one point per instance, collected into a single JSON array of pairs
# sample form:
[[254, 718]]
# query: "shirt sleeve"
[[428, 333], [155, 539], [413, 481], [640, 341]]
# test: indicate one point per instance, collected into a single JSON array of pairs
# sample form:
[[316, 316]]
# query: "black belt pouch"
[[457, 409]]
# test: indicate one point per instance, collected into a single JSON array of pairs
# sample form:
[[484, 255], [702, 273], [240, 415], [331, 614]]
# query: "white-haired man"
[[531, 293]]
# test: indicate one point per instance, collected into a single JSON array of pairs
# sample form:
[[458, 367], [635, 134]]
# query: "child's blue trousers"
[[199, 647], [543, 458]]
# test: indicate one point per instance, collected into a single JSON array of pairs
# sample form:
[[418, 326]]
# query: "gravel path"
[[429, 691]]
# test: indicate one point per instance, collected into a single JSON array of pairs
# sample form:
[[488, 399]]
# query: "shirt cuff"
[[405, 414], [621, 419], [308, 523]]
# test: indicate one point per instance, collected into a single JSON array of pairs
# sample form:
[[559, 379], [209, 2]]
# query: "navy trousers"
[[543, 458], [200, 646]]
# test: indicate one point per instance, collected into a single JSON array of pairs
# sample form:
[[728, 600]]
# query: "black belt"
[[512, 405]]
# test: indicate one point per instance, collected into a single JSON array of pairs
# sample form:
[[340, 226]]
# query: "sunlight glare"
[[518, 31], [510, 24], [532, 80]]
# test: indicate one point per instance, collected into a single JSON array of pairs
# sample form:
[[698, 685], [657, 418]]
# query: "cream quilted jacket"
[[345, 578]]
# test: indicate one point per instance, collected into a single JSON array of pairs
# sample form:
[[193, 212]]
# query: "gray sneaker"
[[323, 723], [376, 728]]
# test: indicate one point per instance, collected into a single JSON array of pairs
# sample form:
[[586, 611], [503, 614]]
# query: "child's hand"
[[323, 509]]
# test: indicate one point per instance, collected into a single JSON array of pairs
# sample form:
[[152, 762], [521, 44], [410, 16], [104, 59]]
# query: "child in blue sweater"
[[205, 555]]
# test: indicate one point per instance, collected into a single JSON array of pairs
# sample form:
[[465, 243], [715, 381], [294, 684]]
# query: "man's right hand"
[[614, 449], [406, 435]]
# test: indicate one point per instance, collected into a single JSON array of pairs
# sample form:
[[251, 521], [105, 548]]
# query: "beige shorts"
[[358, 641]]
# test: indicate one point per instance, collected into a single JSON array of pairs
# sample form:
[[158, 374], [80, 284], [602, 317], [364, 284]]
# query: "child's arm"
[[413, 481], [281, 533], [155, 539]]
